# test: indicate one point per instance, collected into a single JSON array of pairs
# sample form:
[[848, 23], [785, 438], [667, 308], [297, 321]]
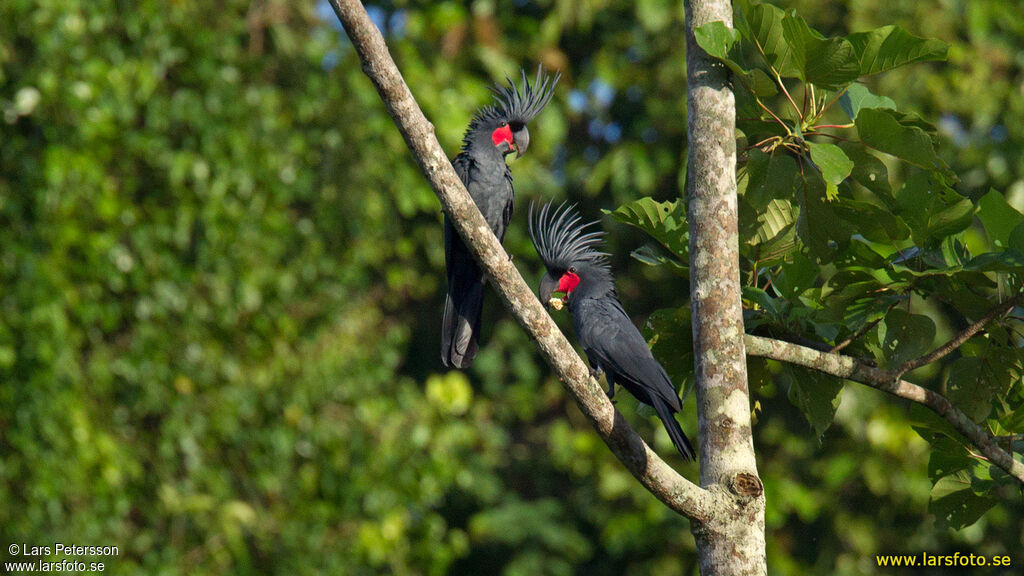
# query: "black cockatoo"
[[613, 345], [494, 132]]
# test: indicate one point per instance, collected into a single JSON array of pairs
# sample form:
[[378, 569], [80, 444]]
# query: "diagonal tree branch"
[[887, 381], [960, 338], [662, 481]]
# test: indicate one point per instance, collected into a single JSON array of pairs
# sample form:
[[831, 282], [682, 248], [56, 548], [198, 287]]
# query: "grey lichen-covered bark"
[[654, 474], [732, 544]]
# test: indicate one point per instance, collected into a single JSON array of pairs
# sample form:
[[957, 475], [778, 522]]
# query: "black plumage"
[[494, 132], [612, 343]]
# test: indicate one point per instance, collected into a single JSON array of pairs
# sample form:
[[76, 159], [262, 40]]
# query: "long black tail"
[[460, 327], [674, 431]]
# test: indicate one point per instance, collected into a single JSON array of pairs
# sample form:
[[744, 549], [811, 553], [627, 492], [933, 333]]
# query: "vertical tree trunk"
[[731, 544]]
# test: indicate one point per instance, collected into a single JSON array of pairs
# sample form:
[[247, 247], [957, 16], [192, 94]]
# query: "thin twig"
[[960, 338], [782, 85]]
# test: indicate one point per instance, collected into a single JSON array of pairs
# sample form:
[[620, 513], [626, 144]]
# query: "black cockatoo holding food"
[[495, 132], [576, 268]]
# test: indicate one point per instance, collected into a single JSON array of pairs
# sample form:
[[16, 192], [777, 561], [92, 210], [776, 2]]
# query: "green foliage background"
[[221, 288]]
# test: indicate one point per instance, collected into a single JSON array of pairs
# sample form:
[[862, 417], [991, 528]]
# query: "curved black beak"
[[522, 140], [548, 285]]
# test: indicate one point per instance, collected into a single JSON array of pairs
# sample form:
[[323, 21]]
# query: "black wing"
[[613, 341]]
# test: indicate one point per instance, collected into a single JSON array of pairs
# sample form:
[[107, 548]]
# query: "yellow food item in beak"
[[555, 303]]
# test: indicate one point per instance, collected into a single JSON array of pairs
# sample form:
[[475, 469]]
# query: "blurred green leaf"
[[663, 221], [907, 336], [857, 96], [826, 62], [833, 163], [889, 47]]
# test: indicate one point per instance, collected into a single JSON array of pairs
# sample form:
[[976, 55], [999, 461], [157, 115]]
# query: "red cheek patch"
[[568, 282], [503, 134]]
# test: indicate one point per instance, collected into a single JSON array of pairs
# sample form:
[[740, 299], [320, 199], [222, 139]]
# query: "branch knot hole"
[[747, 486]]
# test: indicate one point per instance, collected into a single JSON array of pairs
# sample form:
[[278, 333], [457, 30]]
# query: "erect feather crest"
[[562, 239], [513, 105]]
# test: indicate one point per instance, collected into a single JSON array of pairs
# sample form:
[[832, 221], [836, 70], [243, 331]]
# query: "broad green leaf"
[[998, 218], [774, 236], [907, 336], [835, 166], [954, 504], [1016, 242], [777, 217], [947, 457], [889, 47], [796, 275], [663, 221], [858, 96], [932, 210], [882, 130], [953, 219], [670, 336], [771, 306], [860, 311], [872, 222], [762, 25], [769, 176], [984, 374], [826, 62], [964, 389], [1008, 261], [723, 43], [656, 255], [817, 222], [869, 172], [815, 394]]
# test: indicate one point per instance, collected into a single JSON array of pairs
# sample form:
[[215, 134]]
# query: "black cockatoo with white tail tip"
[[494, 132], [579, 270]]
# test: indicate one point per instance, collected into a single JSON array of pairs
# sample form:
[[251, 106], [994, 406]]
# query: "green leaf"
[[796, 276], [931, 209], [858, 96], [723, 43], [775, 235], [1008, 261], [998, 218], [1016, 242], [815, 394], [947, 456], [907, 336], [817, 222], [953, 219], [890, 47], [869, 171], [963, 390], [872, 222], [954, 504], [986, 372], [663, 221], [762, 25], [835, 166], [769, 176], [826, 62], [882, 130], [670, 336], [656, 255], [777, 216]]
